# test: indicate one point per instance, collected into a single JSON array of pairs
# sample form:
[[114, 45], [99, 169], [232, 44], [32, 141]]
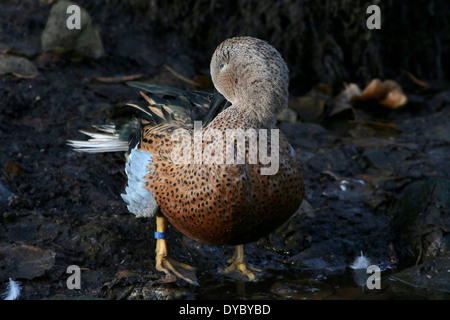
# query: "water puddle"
[[295, 284]]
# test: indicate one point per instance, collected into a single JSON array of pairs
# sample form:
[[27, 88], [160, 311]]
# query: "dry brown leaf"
[[394, 100], [342, 101], [351, 90], [387, 93]]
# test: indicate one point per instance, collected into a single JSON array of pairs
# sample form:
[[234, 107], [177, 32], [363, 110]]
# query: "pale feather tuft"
[[108, 141], [13, 290], [360, 262]]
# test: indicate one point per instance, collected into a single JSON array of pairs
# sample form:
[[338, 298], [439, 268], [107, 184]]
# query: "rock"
[[388, 157], [24, 261], [287, 115], [422, 218], [308, 136], [57, 37], [430, 280], [309, 107], [17, 65], [439, 132], [327, 255]]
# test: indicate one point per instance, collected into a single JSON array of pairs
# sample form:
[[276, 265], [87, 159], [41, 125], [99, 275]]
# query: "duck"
[[199, 161]]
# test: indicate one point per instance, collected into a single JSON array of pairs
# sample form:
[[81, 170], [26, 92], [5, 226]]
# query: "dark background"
[[60, 208]]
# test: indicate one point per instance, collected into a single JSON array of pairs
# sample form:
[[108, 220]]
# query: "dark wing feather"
[[187, 106]]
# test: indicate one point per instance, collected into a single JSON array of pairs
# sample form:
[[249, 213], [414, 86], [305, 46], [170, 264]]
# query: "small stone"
[[422, 219], [287, 115], [58, 37], [429, 280], [13, 64], [308, 108], [24, 261]]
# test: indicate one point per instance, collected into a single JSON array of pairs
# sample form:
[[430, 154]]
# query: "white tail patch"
[[13, 290], [108, 141], [140, 201]]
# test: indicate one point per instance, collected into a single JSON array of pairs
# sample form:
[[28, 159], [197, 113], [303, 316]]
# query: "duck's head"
[[251, 74]]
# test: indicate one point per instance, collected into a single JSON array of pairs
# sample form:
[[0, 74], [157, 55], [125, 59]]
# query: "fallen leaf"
[[342, 101], [351, 90], [387, 93], [395, 99]]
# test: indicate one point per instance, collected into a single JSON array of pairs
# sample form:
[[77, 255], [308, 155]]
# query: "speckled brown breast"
[[226, 204], [235, 211]]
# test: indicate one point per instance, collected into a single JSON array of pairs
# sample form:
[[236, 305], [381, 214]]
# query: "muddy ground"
[[377, 179]]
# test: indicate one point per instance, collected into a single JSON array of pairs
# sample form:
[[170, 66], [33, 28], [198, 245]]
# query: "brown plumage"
[[222, 204], [218, 202]]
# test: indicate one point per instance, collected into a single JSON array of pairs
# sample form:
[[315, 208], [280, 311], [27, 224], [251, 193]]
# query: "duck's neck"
[[261, 106], [254, 117]]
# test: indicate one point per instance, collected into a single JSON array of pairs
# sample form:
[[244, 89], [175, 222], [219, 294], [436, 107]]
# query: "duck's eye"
[[222, 65]]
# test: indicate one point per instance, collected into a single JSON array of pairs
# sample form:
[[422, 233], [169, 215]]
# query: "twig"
[[316, 209], [118, 79], [24, 76], [416, 81], [179, 76]]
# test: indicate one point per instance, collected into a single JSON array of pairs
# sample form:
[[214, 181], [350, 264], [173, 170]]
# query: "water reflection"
[[298, 284]]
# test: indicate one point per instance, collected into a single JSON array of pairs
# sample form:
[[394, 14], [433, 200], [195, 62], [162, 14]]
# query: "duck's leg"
[[165, 264], [237, 265]]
